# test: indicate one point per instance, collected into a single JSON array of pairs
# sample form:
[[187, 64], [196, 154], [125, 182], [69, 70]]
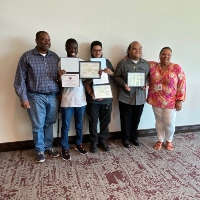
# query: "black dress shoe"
[[104, 146], [93, 148], [136, 142], [126, 144]]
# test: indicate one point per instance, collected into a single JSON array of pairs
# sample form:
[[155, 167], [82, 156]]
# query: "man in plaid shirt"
[[37, 87]]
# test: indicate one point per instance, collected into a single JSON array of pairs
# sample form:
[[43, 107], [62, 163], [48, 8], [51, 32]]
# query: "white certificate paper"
[[70, 80], [136, 79], [70, 64], [89, 69], [102, 91], [102, 80]]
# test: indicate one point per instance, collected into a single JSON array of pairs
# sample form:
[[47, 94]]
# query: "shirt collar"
[[141, 60], [35, 51]]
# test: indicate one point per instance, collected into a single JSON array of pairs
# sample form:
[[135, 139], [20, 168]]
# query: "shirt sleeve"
[[117, 75], [181, 84], [20, 79], [109, 65], [59, 66]]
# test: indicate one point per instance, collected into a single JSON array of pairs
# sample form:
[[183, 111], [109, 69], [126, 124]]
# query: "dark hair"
[[38, 34], [164, 49], [95, 43], [69, 41]]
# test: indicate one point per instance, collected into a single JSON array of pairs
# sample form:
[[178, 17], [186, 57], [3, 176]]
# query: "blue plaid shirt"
[[36, 73]]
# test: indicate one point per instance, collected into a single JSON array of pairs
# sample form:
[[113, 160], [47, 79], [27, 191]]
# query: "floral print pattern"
[[166, 87]]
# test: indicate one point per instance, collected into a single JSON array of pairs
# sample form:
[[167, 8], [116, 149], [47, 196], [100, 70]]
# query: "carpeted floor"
[[122, 174]]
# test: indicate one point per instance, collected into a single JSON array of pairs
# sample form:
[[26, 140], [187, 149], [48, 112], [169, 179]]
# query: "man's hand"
[[100, 72], [108, 71], [127, 88], [145, 87], [60, 73], [25, 105], [93, 97]]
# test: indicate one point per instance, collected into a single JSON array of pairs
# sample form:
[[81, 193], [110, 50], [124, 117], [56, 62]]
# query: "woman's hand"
[[178, 105]]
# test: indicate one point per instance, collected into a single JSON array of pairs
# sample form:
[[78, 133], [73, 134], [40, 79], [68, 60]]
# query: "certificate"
[[89, 69], [70, 80], [102, 60], [102, 91], [104, 76], [136, 79], [102, 80], [70, 64]]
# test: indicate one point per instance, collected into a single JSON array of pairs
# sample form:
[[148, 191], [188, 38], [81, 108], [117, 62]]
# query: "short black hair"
[[95, 43], [69, 41], [38, 34], [164, 49]]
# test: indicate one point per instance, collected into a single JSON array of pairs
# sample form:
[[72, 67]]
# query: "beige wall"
[[116, 23]]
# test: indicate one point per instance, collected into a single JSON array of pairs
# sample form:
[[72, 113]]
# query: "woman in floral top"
[[167, 90]]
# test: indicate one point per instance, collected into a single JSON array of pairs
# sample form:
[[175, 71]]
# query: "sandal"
[[158, 145], [169, 146]]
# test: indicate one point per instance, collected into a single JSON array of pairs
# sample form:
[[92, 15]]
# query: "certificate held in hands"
[[70, 80], [102, 91], [90, 69], [70, 64], [136, 79]]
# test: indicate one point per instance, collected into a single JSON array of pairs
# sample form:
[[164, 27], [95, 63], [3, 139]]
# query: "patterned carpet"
[[136, 173]]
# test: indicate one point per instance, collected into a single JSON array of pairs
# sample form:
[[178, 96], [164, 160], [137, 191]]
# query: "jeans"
[[43, 114], [103, 113], [165, 123], [67, 113], [130, 118]]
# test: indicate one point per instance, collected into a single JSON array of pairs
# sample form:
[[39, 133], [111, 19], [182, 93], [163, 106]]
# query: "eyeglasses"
[[97, 50]]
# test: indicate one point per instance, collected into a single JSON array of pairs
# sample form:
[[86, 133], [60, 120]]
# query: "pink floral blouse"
[[166, 87]]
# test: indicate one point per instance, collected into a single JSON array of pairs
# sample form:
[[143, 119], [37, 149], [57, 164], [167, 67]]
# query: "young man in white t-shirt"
[[73, 102]]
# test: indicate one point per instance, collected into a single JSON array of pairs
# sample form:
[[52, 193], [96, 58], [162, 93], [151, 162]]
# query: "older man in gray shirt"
[[131, 99]]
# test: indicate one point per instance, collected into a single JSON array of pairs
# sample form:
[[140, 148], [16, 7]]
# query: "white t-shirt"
[[73, 96], [135, 61]]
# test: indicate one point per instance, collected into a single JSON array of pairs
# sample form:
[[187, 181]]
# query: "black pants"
[[130, 119], [103, 113]]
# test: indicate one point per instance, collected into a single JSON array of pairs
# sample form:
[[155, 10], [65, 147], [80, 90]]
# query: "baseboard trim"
[[28, 144]]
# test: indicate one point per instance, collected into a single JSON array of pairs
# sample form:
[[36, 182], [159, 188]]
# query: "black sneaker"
[[65, 154], [104, 146], [136, 142], [52, 152], [39, 157], [80, 149], [126, 144], [93, 148]]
